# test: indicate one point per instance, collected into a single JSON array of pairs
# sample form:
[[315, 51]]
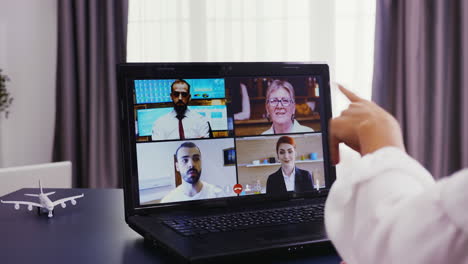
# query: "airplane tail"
[[46, 194], [42, 192], [40, 186]]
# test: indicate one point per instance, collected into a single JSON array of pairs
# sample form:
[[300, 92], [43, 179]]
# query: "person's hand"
[[364, 126]]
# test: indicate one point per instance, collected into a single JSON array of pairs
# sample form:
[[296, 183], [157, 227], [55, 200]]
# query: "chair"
[[52, 175]]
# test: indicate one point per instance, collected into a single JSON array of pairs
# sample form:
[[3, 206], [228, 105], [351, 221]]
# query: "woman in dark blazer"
[[288, 177]]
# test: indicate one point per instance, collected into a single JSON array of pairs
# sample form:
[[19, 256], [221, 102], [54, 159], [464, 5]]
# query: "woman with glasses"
[[281, 107], [288, 177]]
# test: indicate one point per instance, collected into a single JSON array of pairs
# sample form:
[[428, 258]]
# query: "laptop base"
[[282, 239], [316, 249]]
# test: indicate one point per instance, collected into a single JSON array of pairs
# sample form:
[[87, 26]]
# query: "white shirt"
[[390, 210], [207, 191], [289, 180], [296, 128], [167, 126]]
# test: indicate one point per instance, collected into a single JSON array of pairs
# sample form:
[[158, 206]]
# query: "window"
[[338, 32]]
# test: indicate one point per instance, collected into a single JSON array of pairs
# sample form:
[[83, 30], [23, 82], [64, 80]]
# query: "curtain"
[[421, 77], [91, 41]]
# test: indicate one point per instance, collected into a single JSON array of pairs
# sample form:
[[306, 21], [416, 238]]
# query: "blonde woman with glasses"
[[281, 107]]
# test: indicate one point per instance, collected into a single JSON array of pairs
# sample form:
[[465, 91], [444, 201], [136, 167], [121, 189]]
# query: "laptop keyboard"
[[246, 220]]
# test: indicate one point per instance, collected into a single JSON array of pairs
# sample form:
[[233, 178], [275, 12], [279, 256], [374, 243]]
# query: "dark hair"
[[181, 81], [287, 140], [186, 145]]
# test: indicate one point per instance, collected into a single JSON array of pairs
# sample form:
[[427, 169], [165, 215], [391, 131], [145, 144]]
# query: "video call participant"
[[189, 165], [180, 123], [288, 177], [281, 107]]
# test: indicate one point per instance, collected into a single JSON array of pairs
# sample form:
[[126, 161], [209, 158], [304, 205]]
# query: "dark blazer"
[[302, 183]]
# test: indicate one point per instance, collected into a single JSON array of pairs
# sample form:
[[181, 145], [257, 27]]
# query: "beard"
[[192, 179], [180, 108]]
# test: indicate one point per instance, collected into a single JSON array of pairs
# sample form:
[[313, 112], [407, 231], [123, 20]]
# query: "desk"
[[93, 231]]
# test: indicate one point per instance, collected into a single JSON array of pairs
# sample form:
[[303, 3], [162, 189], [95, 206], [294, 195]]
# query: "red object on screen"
[[237, 188]]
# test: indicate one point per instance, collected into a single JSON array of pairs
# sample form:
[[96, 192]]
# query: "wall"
[[28, 36]]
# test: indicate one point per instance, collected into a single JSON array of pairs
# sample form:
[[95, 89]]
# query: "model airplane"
[[45, 204]]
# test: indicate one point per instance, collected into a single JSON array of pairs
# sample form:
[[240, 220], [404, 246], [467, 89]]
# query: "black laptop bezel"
[[128, 72]]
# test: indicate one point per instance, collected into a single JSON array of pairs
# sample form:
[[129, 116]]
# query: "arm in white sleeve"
[[156, 133], [390, 210], [203, 128]]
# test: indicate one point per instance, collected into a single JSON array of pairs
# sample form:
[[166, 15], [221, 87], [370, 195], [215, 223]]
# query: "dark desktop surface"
[[93, 231]]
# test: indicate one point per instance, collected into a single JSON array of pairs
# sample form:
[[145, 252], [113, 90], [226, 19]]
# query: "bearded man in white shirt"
[[189, 165], [390, 209], [180, 123]]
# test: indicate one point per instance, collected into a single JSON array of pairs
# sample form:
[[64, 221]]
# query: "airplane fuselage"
[[46, 202]]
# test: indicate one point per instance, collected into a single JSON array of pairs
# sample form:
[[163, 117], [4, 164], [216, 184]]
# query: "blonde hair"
[[278, 84]]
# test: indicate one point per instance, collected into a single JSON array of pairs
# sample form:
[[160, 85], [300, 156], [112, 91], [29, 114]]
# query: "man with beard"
[[180, 123], [189, 165]]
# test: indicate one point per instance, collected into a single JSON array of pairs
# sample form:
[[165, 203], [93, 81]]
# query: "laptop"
[[226, 160]]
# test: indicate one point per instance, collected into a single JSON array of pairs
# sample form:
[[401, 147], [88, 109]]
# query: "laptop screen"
[[227, 136]]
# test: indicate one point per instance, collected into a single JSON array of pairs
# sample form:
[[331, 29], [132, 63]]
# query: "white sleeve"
[[157, 133], [203, 128], [390, 210]]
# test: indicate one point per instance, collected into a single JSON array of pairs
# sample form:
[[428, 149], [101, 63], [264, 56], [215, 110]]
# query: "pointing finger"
[[350, 95]]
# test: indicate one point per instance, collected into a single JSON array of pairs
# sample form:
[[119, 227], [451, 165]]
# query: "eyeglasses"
[[276, 101], [177, 94]]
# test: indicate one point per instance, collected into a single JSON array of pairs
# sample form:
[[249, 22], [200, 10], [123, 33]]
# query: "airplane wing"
[[21, 202], [72, 198]]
